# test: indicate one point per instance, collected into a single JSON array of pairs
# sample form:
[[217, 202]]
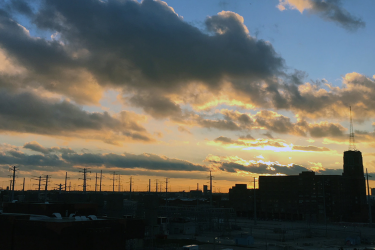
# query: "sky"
[[171, 90]]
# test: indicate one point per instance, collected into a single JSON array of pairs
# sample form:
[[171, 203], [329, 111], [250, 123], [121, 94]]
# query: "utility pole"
[[39, 179], [149, 185], [70, 185], [84, 186], [113, 181], [369, 201], [130, 183], [101, 175], [96, 181], [14, 169], [60, 187], [66, 181], [46, 188], [119, 182], [23, 185]]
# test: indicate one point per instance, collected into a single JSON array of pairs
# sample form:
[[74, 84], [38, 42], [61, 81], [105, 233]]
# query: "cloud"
[[159, 51], [330, 10], [33, 162], [56, 158], [35, 146], [183, 130], [130, 161], [310, 148], [225, 140], [250, 142], [156, 105], [268, 120], [26, 112], [234, 164], [161, 63]]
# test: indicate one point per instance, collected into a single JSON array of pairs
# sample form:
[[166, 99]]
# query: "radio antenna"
[[351, 133]]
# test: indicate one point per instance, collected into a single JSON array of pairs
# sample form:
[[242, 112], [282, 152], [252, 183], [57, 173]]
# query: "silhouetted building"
[[308, 196], [205, 190], [240, 199]]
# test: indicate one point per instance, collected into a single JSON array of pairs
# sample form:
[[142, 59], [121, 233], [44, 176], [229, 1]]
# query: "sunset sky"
[[177, 88]]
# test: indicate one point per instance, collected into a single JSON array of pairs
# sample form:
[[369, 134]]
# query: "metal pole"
[[131, 180], [101, 175], [46, 187], [66, 180], [14, 180], [23, 186], [119, 182], [113, 182], [96, 181]]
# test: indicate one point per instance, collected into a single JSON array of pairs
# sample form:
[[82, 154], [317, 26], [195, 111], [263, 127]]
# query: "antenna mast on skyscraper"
[[351, 133]]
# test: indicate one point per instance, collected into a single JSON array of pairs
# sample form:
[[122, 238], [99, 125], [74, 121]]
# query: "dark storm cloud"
[[332, 10], [148, 51], [32, 161], [66, 158], [145, 161], [150, 38], [138, 45], [28, 113]]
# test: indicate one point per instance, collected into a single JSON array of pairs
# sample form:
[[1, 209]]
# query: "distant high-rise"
[[205, 188], [353, 165]]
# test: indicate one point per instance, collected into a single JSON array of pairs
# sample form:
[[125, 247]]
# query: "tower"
[[353, 176], [353, 165]]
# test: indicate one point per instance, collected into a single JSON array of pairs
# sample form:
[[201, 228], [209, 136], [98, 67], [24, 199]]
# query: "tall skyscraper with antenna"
[[353, 174]]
